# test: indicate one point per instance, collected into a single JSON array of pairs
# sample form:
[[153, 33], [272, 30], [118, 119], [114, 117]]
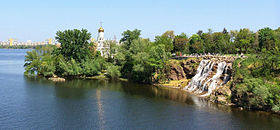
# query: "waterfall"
[[207, 78]]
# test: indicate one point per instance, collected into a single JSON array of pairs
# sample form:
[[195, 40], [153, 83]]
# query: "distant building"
[[11, 41], [50, 41]]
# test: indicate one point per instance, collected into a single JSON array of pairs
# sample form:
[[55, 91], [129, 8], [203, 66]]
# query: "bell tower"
[[100, 39]]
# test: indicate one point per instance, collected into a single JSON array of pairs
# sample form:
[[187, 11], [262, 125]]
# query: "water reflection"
[[100, 109], [99, 91]]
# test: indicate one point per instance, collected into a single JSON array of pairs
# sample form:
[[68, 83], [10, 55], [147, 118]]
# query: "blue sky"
[[38, 20]]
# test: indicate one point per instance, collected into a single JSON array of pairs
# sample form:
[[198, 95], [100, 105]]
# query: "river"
[[35, 103]]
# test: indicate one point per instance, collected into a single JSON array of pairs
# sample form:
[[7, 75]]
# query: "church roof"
[[100, 29]]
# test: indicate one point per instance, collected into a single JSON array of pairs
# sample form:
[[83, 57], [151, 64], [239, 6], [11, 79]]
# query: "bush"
[[113, 72], [47, 66], [254, 89], [68, 68], [90, 67], [32, 63]]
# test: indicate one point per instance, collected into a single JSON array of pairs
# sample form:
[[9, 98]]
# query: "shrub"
[[32, 63], [90, 67], [113, 72]]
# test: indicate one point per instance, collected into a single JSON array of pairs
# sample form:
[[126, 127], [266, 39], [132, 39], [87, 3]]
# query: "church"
[[101, 47], [102, 44]]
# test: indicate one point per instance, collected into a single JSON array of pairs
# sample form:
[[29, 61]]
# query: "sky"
[[38, 20]]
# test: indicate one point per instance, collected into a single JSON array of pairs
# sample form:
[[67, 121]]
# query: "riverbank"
[[97, 77], [221, 96], [240, 90]]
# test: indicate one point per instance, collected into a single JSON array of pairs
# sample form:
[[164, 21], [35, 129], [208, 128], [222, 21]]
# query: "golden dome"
[[100, 29]]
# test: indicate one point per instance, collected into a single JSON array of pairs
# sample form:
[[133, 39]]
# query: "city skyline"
[[39, 20]]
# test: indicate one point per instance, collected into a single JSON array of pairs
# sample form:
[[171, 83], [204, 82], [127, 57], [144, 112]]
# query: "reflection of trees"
[[79, 89], [157, 92]]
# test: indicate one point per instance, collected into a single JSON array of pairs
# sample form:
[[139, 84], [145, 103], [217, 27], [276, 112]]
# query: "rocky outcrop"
[[176, 72], [208, 78], [182, 69], [186, 69], [222, 95], [189, 68], [55, 78]]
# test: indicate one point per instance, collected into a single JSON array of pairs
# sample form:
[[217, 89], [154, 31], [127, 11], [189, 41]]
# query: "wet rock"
[[222, 94], [57, 79]]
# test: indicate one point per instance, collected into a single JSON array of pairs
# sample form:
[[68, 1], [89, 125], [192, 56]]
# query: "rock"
[[57, 79], [193, 61], [189, 70], [176, 72], [221, 95]]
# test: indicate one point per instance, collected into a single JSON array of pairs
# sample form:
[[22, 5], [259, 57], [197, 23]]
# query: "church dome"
[[100, 29]]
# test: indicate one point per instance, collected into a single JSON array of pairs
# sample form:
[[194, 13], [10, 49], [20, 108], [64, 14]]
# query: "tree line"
[[140, 59], [224, 42]]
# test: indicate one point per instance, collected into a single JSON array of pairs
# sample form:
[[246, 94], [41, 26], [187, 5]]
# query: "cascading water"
[[203, 70], [207, 79]]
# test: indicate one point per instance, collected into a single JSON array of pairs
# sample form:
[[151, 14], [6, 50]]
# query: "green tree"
[[32, 62], [47, 65], [181, 43], [91, 67], [129, 36], [74, 44], [196, 45], [113, 71], [243, 40], [169, 34], [266, 38], [208, 42], [166, 41], [199, 32]]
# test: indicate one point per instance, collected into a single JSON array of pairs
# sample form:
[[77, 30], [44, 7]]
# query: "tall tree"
[[196, 45], [74, 44], [166, 41], [169, 34], [199, 32], [225, 31], [243, 40], [129, 36], [266, 38], [180, 43]]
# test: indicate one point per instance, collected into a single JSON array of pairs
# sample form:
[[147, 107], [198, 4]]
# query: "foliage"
[[113, 71], [91, 67], [32, 62], [47, 65], [76, 57], [169, 34], [68, 68], [74, 44], [129, 36], [166, 41], [243, 40], [254, 85], [181, 43]]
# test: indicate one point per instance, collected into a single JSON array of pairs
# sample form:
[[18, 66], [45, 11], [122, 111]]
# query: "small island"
[[240, 68]]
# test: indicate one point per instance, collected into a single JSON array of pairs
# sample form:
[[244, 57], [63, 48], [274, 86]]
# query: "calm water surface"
[[30, 103]]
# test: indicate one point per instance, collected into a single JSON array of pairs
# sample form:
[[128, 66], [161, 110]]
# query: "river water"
[[34, 103]]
